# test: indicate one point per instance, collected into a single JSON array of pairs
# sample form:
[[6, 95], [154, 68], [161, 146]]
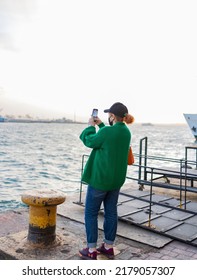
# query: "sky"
[[61, 58]]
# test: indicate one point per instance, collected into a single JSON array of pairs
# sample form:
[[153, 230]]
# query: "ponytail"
[[129, 119]]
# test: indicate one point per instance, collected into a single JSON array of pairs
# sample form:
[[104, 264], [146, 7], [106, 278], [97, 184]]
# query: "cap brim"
[[106, 111]]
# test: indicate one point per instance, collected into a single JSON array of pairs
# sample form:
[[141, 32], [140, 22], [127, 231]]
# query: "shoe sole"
[[111, 257], [86, 258]]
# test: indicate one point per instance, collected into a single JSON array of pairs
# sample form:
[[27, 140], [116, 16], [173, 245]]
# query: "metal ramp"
[[164, 215]]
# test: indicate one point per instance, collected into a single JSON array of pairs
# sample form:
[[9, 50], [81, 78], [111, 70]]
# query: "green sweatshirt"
[[107, 164]]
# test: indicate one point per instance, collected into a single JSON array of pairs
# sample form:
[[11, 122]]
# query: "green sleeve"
[[91, 139], [101, 125], [90, 130]]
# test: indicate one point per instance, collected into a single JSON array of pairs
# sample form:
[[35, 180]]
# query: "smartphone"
[[95, 113]]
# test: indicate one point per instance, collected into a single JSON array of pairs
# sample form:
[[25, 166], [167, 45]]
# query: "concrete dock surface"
[[132, 242]]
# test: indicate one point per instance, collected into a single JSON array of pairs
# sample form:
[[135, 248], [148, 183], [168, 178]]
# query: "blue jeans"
[[94, 199]]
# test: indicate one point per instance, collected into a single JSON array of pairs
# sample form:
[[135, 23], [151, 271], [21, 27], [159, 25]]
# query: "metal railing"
[[149, 174]]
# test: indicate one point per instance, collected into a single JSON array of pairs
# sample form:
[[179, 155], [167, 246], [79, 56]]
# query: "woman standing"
[[105, 173]]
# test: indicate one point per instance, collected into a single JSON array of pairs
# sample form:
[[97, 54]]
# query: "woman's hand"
[[91, 122], [97, 121], [94, 121]]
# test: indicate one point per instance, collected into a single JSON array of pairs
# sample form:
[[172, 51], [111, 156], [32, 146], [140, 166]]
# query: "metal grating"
[[163, 215]]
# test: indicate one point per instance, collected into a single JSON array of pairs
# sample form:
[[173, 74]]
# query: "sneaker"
[[85, 254], [108, 253]]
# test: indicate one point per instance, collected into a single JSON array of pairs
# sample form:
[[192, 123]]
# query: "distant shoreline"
[[42, 121]]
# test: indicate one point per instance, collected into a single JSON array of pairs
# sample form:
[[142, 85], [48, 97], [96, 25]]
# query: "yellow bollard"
[[42, 214]]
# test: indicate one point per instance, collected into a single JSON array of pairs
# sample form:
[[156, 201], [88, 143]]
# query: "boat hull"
[[191, 120]]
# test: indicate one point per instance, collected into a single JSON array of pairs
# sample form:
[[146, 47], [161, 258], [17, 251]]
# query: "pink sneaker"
[[86, 255], [108, 253]]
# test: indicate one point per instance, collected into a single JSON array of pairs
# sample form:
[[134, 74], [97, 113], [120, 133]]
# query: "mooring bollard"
[[42, 214]]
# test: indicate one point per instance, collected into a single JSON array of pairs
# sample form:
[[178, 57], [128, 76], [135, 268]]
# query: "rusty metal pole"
[[42, 214]]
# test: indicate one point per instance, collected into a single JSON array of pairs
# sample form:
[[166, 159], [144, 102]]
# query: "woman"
[[105, 173]]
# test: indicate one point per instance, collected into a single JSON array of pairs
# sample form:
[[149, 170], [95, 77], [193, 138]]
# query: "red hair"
[[128, 119]]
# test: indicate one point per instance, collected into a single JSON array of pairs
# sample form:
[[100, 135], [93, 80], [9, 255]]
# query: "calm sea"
[[36, 155]]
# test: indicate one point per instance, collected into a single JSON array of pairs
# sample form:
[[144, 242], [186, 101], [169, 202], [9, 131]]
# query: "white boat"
[[192, 122]]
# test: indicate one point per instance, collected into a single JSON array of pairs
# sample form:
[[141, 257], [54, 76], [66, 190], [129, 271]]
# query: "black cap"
[[118, 109]]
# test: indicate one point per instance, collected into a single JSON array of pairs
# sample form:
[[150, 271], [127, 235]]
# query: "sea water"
[[49, 155]]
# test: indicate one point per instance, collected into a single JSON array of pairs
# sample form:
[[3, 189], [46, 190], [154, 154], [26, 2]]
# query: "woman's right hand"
[[97, 121]]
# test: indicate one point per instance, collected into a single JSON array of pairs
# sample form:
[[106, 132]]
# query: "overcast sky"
[[66, 57]]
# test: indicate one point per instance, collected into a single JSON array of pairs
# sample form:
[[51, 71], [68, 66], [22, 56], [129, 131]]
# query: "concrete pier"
[[132, 242]]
